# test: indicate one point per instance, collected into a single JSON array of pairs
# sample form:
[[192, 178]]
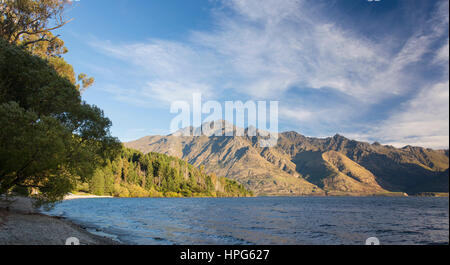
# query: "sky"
[[368, 70]]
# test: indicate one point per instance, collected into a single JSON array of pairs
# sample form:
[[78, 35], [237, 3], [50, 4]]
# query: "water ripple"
[[263, 220]]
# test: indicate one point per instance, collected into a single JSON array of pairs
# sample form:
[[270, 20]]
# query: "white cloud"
[[442, 55], [296, 114], [171, 91], [274, 45], [422, 121], [173, 71]]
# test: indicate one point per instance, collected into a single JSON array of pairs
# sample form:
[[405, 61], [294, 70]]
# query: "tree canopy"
[[49, 137], [30, 23]]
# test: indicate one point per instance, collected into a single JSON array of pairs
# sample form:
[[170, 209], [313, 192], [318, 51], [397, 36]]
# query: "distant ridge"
[[300, 165]]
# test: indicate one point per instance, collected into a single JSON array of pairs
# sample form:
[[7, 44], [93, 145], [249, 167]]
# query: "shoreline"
[[72, 196], [87, 196], [22, 224]]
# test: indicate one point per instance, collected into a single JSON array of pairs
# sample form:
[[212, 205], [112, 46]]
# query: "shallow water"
[[264, 220]]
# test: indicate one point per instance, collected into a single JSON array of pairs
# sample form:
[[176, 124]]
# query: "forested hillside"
[[134, 174]]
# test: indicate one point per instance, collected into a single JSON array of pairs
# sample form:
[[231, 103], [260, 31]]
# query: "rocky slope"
[[300, 165]]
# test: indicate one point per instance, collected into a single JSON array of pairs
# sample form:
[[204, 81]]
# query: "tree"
[[29, 24], [30, 21], [109, 178], [97, 183], [49, 137]]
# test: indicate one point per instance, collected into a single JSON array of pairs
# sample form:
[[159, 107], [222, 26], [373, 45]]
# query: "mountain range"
[[300, 165]]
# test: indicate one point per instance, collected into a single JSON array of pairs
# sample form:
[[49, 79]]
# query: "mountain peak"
[[338, 136], [219, 128]]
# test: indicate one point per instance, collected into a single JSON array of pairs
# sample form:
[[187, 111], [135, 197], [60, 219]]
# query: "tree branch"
[[29, 186], [39, 40], [41, 31]]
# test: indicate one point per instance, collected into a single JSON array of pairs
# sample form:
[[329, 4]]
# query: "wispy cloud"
[[269, 49], [422, 121], [171, 71]]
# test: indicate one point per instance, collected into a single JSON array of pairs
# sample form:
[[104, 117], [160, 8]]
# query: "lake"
[[263, 220]]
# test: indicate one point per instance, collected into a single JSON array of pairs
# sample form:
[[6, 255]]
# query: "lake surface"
[[264, 220]]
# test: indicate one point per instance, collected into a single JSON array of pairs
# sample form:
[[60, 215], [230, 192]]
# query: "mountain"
[[299, 165]]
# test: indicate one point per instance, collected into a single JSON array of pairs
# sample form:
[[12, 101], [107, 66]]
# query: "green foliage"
[[97, 183], [133, 174], [49, 138]]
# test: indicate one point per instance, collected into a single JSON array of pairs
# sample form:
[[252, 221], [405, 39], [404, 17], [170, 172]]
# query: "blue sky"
[[372, 71]]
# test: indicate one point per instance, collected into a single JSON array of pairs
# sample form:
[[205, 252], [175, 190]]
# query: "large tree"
[[49, 137]]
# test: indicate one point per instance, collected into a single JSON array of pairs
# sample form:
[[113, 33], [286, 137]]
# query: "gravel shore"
[[21, 224]]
